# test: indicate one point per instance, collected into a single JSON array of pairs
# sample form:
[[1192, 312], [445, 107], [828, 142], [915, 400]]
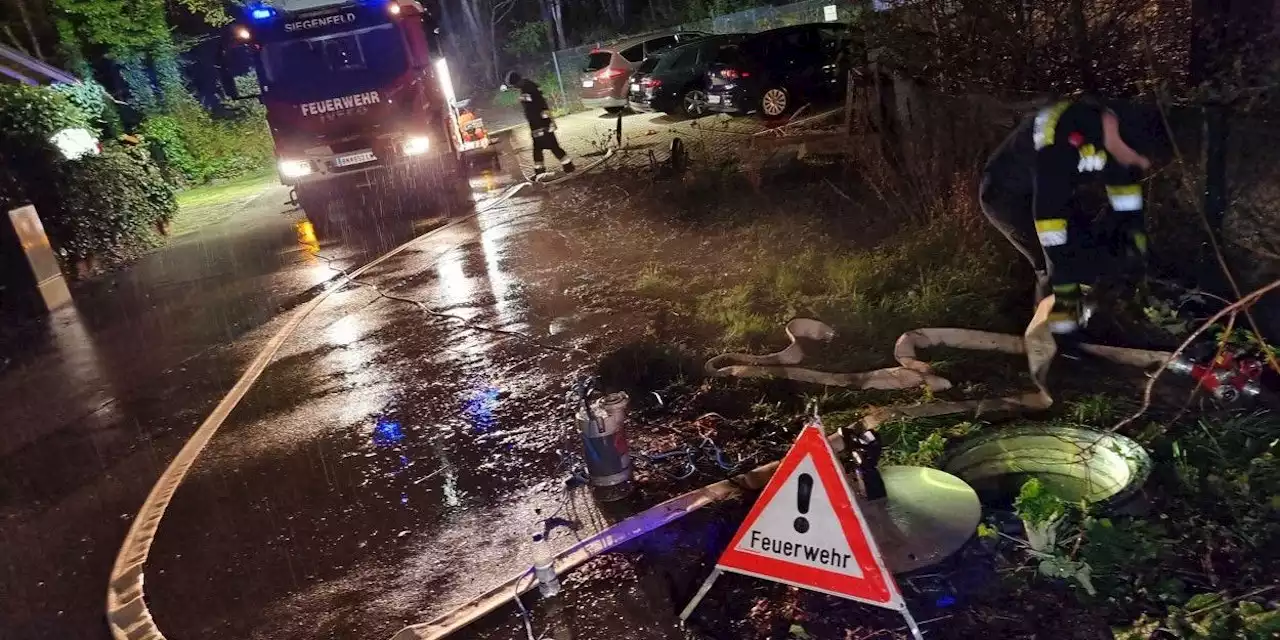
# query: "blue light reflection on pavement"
[[479, 409], [387, 433]]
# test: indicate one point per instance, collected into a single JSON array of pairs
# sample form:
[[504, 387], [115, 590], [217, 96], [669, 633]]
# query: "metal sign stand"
[[811, 472], [702, 593], [715, 575]]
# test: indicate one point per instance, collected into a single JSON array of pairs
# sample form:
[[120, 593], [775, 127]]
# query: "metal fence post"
[[564, 98]]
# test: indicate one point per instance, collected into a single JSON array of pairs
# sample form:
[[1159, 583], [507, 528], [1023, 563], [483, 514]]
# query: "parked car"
[[676, 81], [774, 71], [608, 70]]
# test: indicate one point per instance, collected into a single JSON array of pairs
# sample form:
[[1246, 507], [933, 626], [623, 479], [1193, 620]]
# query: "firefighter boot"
[[1065, 316], [1070, 313], [566, 165]]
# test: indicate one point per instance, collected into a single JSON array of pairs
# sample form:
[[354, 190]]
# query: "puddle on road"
[[378, 447]]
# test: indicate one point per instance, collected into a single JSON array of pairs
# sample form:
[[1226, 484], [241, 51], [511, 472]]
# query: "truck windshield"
[[347, 62]]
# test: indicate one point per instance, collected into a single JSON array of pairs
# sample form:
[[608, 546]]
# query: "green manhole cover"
[[1100, 468]]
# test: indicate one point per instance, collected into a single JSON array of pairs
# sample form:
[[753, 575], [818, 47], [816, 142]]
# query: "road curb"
[[128, 616]]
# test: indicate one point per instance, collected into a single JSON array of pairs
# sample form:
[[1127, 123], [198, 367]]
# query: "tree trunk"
[[555, 33], [1023, 21], [31, 29], [493, 45], [620, 8], [479, 32], [449, 26], [558, 20], [1084, 52], [611, 10], [13, 39]]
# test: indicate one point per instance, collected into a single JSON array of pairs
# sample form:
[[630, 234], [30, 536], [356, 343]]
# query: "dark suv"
[[676, 82], [608, 69], [773, 71]]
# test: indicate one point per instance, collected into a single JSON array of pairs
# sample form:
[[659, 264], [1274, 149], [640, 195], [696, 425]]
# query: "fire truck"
[[358, 97]]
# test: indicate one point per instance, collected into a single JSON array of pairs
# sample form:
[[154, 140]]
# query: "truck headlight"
[[294, 168], [416, 145]]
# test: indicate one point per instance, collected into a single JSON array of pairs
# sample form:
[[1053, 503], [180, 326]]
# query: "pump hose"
[[1037, 343], [570, 176]]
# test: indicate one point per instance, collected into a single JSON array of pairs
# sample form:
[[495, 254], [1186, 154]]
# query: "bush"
[[102, 206], [528, 38], [30, 115], [198, 148], [93, 100], [106, 206]]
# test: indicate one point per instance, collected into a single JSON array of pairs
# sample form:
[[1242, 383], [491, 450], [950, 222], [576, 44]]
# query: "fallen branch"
[[1231, 308]]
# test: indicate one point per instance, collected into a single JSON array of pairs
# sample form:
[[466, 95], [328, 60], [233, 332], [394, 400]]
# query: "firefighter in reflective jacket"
[[541, 127], [1029, 191]]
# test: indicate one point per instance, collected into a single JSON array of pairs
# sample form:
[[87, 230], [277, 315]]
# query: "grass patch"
[[230, 191], [655, 282], [211, 204], [922, 276]]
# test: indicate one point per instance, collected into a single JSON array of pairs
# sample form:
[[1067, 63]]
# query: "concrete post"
[[46, 276]]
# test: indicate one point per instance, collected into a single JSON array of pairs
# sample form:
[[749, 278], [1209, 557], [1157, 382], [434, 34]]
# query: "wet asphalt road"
[[388, 466], [99, 398]]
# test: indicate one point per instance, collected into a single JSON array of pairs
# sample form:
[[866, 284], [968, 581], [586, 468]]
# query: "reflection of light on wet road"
[[307, 238], [499, 282], [346, 330], [452, 497], [479, 409], [455, 288], [318, 271], [80, 361]]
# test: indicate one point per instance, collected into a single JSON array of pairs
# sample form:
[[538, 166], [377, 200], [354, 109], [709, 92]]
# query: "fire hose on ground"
[[1036, 343]]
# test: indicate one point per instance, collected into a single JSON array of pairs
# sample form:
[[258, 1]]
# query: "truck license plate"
[[587, 84], [353, 158]]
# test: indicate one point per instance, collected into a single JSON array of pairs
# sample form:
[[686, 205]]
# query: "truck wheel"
[[310, 199], [451, 194]]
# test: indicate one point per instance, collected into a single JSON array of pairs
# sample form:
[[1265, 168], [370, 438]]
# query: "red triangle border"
[[876, 586]]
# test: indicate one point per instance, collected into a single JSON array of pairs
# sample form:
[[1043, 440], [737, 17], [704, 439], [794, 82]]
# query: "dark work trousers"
[[1013, 215], [546, 141]]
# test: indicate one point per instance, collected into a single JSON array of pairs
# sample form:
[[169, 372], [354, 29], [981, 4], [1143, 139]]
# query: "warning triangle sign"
[[806, 530]]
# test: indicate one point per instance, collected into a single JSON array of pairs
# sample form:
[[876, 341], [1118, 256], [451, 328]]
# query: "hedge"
[[104, 206], [199, 148]]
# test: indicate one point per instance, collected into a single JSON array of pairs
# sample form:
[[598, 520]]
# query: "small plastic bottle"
[[543, 569]]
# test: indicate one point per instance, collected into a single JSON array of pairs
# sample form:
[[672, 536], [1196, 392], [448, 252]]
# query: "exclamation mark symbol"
[[803, 492]]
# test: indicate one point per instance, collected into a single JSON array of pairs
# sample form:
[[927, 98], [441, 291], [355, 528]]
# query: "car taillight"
[[734, 74], [608, 72], [651, 83]]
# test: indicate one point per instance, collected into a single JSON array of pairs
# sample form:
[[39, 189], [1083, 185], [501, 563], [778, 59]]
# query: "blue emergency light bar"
[[262, 13]]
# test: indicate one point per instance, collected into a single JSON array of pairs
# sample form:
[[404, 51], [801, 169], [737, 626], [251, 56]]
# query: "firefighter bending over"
[[541, 126], [1029, 192]]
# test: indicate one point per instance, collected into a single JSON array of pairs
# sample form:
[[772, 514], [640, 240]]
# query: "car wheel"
[[694, 103], [774, 102]]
